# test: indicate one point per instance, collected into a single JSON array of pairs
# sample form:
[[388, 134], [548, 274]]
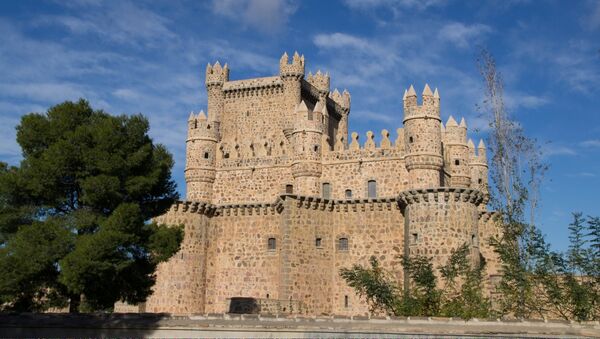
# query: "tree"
[[516, 170], [74, 215]]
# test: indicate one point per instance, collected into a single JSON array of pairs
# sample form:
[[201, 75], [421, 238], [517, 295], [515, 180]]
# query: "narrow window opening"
[[267, 295], [316, 148], [348, 194], [205, 155], [372, 189], [343, 244], [410, 139], [480, 181], [457, 162], [226, 156], [181, 255], [326, 190], [289, 189], [207, 126], [271, 244], [473, 239], [318, 242], [415, 238], [346, 301]]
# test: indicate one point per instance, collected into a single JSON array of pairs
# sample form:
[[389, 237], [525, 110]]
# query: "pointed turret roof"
[[436, 94], [201, 116], [427, 91], [451, 122], [411, 92], [470, 144], [481, 144], [318, 107], [463, 123], [404, 96], [192, 116], [302, 107]]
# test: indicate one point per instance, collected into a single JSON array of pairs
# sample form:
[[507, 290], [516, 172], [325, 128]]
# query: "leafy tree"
[[375, 285], [422, 296], [463, 286], [73, 215]]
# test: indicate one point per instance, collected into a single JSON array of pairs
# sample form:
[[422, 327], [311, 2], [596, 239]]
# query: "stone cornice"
[[441, 194]]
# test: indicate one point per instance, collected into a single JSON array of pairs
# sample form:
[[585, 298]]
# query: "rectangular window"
[[318, 242], [348, 194], [326, 190], [289, 189], [414, 238], [372, 188], [346, 301], [271, 244], [343, 244]]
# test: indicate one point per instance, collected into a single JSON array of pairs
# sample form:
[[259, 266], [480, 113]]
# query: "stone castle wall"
[[272, 160]]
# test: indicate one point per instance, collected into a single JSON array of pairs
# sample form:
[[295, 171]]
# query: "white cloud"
[[591, 143], [463, 35], [557, 150], [373, 116], [126, 94], [266, 16], [517, 100], [341, 40], [400, 4]]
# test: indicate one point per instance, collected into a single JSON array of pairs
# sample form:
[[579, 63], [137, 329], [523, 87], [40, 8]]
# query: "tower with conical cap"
[[422, 138], [201, 147]]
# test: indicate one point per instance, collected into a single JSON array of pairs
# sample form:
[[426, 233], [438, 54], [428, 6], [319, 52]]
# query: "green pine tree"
[[74, 214]]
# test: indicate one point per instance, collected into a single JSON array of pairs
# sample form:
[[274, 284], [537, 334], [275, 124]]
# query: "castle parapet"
[[216, 75]]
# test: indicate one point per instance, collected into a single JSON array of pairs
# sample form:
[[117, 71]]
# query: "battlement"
[[199, 126], [342, 99], [294, 69], [216, 75], [477, 156], [430, 104], [455, 133], [319, 80]]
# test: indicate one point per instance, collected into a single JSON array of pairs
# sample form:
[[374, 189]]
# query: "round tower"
[[306, 144], [291, 75], [457, 153], [201, 148], [479, 171], [422, 138], [216, 76]]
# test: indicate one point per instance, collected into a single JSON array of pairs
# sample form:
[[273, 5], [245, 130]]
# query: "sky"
[[149, 57]]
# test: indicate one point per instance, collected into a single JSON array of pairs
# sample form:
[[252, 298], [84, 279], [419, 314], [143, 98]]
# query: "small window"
[[316, 148], [318, 242], [346, 301], [473, 239], [480, 181], [457, 162], [348, 194], [372, 189], [267, 295], [343, 244], [226, 156], [414, 238], [205, 155], [289, 189], [410, 140], [326, 190], [271, 244], [207, 126]]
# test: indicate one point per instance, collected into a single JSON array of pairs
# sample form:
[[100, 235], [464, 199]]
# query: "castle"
[[279, 198]]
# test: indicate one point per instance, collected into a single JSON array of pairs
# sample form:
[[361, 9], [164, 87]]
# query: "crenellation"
[[279, 198]]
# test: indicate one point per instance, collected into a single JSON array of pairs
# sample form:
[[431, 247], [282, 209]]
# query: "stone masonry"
[[279, 198]]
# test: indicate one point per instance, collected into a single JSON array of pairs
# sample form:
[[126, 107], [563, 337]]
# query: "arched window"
[[372, 189], [342, 244], [326, 190], [348, 194]]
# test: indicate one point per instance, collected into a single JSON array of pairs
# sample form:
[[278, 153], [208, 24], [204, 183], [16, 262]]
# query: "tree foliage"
[[74, 215], [461, 295]]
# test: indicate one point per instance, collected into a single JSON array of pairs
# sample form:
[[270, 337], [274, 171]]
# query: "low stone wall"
[[255, 326]]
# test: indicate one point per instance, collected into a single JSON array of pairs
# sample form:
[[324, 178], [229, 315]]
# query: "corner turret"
[[456, 153], [307, 146], [423, 139], [201, 147], [291, 74], [216, 77]]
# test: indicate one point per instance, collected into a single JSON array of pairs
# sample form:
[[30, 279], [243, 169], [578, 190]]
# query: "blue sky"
[[141, 56]]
